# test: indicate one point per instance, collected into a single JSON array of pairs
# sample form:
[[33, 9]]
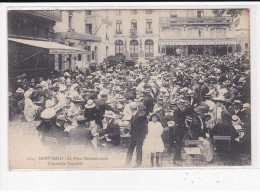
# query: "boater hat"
[[48, 113], [90, 104], [19, 90], [219, 99], [49, 104], [62, 88]]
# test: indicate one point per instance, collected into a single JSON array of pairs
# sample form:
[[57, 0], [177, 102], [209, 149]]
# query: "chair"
[[191, 147], [221, 139], [221, 145]]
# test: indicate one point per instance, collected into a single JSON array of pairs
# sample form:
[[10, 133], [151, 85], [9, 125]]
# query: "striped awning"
[[53, 47], [197, 42]]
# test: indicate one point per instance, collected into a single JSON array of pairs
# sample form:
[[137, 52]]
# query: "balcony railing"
[[187, 20], [133, 33], [52, 14], [149, 31], [119, 32]]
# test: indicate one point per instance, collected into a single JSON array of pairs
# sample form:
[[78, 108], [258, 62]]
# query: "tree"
[[232, 12], [115, 60]]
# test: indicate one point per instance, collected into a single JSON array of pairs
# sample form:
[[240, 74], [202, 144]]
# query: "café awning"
[[53, 47], [165, 42]]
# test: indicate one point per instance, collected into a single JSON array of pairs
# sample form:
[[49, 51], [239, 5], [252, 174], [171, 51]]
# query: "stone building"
[[31, 50], [136, 32], [188, 32], [141, 34], [89, 30]]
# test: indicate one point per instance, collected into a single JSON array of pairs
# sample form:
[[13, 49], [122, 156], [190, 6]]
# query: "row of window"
[[173, 13], [119, 29], [118, 12], [119, 46], [28, 27], [195, 32]]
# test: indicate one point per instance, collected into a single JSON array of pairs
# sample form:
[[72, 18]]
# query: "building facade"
[[186, 32], [89, 30], [141, 34], [26, 30], [136, 33], [243, 33]]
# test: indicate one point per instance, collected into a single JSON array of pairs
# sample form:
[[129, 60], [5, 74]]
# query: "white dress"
[[153, 142], [30, 109]]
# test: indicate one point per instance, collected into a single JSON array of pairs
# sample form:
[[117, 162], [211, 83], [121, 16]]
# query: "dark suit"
[[113, 131], [93, 114], [149, 104], [103, 106], [179, 131], [204, 91], [138, 133], [197, 90], [225, 128]]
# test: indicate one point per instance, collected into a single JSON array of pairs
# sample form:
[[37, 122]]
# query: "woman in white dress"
[[30, 109], [153, 142]]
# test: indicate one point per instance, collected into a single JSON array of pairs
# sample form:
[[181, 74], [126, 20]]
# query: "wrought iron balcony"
[[195, 20], [149, 31], [133, 33], [50, 14]]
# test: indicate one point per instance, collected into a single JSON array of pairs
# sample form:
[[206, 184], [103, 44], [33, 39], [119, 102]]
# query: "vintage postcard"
[[128, 88]]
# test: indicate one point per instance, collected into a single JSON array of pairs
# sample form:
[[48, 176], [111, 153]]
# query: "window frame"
[[134, 47], [119, 27], [119, 46]]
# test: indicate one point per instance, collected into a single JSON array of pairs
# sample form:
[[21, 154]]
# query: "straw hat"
[[27, 94], [237, 101], [49, 104], [77, 99], [62, 88], [66, 74], [10, 94], [90, 104], [48, 113], [246, 106], [133, 105], [219, 99], [181, 100], [19, 90]]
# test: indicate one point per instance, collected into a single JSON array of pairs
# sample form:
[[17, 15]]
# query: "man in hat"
[[197, 90], [93, 113], [103, 106], [204, 89], [225, 128], [148, 101], [44, 84], [220, 100], [18, 98], [180, 129], [112, 132], [236, 108], [138, 132]]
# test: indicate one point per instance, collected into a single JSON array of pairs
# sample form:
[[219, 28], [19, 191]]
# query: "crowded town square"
[[179, 103], [188, 106]]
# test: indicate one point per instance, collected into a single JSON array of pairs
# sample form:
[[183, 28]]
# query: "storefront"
[[34, 58], [197, 47]]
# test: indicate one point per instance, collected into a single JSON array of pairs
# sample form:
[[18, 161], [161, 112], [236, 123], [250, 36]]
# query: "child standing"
[[153, 142]]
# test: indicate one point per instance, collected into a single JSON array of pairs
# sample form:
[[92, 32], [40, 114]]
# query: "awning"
[[53, 47], [197, 42]]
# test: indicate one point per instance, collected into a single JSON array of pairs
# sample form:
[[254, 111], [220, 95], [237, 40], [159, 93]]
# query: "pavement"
[[26, 151]]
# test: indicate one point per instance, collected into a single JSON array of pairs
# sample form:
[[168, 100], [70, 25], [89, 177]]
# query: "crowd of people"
[[158, 105]]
